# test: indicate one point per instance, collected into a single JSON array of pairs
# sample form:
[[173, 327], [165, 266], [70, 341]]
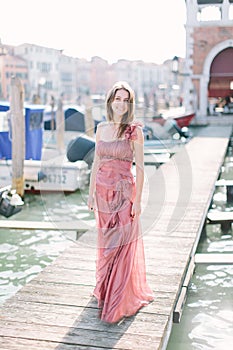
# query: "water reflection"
[[24, 253], [216, 241], [207, 320]]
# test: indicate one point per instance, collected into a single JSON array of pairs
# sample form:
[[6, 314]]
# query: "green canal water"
[[24, 253], [207, 318]]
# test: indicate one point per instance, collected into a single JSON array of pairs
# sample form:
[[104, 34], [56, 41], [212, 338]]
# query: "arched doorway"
[[220, 89]]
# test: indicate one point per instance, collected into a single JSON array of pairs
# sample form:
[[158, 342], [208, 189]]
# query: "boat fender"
[[80, 148], [30, 175], [10, 202], [41, 176]]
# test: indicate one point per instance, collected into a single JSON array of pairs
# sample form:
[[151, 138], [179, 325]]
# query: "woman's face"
[[120, 103]]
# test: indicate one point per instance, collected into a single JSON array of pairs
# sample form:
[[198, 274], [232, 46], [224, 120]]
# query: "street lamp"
[[41, 83], [175, 67], [52, 104], [175, 71]]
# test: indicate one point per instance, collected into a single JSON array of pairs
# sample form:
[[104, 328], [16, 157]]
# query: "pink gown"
[[121, 286]]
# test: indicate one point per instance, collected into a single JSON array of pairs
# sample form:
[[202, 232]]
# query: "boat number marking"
[[55, 178]]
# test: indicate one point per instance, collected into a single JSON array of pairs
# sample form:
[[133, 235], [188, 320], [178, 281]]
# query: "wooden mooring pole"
[[18, 135], [89, 121], [60, 126]]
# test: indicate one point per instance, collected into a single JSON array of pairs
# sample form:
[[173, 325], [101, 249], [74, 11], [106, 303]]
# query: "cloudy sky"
[[150, 30]]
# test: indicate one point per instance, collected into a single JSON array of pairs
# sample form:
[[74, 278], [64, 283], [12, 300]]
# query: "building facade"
[[48, 74], [11, 65], [43, 71], [209, 54]]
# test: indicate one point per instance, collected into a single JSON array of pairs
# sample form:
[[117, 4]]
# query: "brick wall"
[[205, 38]]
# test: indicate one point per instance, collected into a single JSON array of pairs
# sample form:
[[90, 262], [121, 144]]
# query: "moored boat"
[[45, 167], [54, 175], [182, 118]]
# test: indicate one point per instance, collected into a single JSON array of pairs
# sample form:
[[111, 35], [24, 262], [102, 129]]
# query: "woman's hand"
[[91, 203], [136, 209]]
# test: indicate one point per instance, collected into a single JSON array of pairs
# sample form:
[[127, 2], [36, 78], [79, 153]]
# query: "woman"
[[121, 287]]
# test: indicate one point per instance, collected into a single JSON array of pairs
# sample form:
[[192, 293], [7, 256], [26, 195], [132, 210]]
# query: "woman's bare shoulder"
[[100, 129], [101, 124]]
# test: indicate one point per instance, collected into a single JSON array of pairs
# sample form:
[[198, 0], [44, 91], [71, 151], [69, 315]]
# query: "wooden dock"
[[225, 219], [55, 310], [78, 227]]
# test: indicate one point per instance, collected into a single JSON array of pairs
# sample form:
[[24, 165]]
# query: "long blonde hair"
[[128, 117]]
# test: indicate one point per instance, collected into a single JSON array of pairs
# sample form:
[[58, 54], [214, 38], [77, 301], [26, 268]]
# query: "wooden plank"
[[121, 338], [79, 296], [158, 151], [179, 305], [177, 313], [155, 159], [223, 182], [11, 343], [151, 159], [45, 225], [67, 315], [146, 325], [211, 258], [218, 217]]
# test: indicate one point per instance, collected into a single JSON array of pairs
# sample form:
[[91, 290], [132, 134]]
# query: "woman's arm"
[[139, 161], [95, 165]]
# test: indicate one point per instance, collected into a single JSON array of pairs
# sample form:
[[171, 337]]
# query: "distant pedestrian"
[[181, 101]]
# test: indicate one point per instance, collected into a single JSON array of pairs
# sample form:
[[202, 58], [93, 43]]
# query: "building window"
[[48, 85], [209, 13], [65, 76], [204, 2], [231, 12]]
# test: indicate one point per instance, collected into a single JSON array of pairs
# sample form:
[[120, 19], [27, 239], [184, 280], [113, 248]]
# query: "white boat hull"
[[59, 175]]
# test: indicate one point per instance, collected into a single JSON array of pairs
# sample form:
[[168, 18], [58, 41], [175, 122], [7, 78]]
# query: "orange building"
[[11, 65], [209, 55]]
